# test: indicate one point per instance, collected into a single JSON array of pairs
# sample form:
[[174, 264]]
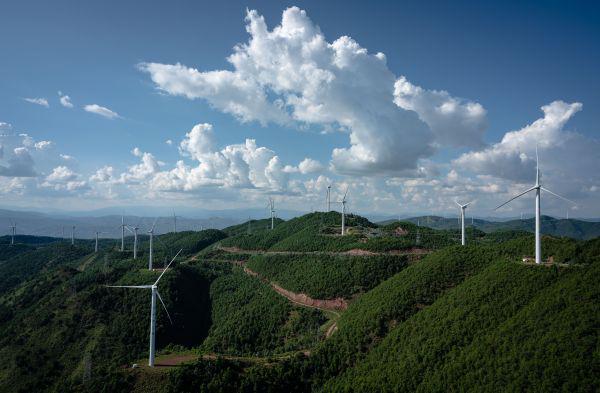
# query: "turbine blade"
[[515, 197], [154, 224], [129, 229], [467, 204], [129, 286], [159, 277], [556, 195], [458, 203], [165, 307], [346, 193]]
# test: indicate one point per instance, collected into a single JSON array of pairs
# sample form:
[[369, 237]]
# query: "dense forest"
[[424, 313]]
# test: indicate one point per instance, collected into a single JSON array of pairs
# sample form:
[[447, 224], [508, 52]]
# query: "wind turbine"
[[329, 198], [271, 206], [122, 233], [73, 235], [13, 226], [174, 222], [151, 232], [462, 220], [96, 247], [538, 188], [135, 240], [343, 202], [155, 294]]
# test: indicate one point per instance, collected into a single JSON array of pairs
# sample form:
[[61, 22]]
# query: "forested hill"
[[577, 229], [301, 308]]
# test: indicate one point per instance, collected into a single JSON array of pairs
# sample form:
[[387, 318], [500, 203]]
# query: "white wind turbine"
[[462, 219], [174, 221], [122, 233], [271, 206], [13, 227], [134, 230], [151, 232], [538, 188], [343, 202], [73, 235], [155, 294], [329, 198], [96, 247]]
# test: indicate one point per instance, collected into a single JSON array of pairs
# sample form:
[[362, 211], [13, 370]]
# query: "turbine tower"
[[13, 226], [96, 247], [462, 220], [135, 239], [271, 206], [122, 233], [155, 294], [329, 198], [343, 202], [538, 188], [174, 222], [73, 235], [151, 232]]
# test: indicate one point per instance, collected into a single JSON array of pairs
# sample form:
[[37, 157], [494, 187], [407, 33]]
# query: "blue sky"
[[509, 58]]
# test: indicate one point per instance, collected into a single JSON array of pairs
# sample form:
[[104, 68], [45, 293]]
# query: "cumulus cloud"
[[514, 156], [62, 174], [18, 164], [65, 100], [144, 170], [38, 101], [306, 166], [103, 175], [169, 142], [455, 122], [234, 166], [64, 178], [102, 111], [293, 75]]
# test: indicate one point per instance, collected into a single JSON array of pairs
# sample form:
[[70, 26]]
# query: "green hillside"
[[424, 313], [327, 276]]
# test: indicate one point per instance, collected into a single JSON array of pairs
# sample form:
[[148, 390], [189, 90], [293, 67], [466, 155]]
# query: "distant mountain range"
[[574, 228], [39, 224], [107, 221]]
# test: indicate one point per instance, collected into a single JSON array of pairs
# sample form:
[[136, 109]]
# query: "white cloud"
[[102, 111], [67, 157], [198, 142], [148, 167], [65, 100], [43, 145], [234, 166], [63, 178], [18, 164], [454, 122], [169, 142], [38, 101], [308, 165], [514, 156], [103, 175], [291, 74], [61, 174]]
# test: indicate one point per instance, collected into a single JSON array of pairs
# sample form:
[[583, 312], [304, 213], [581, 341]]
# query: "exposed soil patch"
[[174, 360], [358, 251], [301, 298]]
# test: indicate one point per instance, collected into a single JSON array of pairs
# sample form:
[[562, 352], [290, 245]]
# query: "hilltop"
[[577, 229], [301, 308]]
